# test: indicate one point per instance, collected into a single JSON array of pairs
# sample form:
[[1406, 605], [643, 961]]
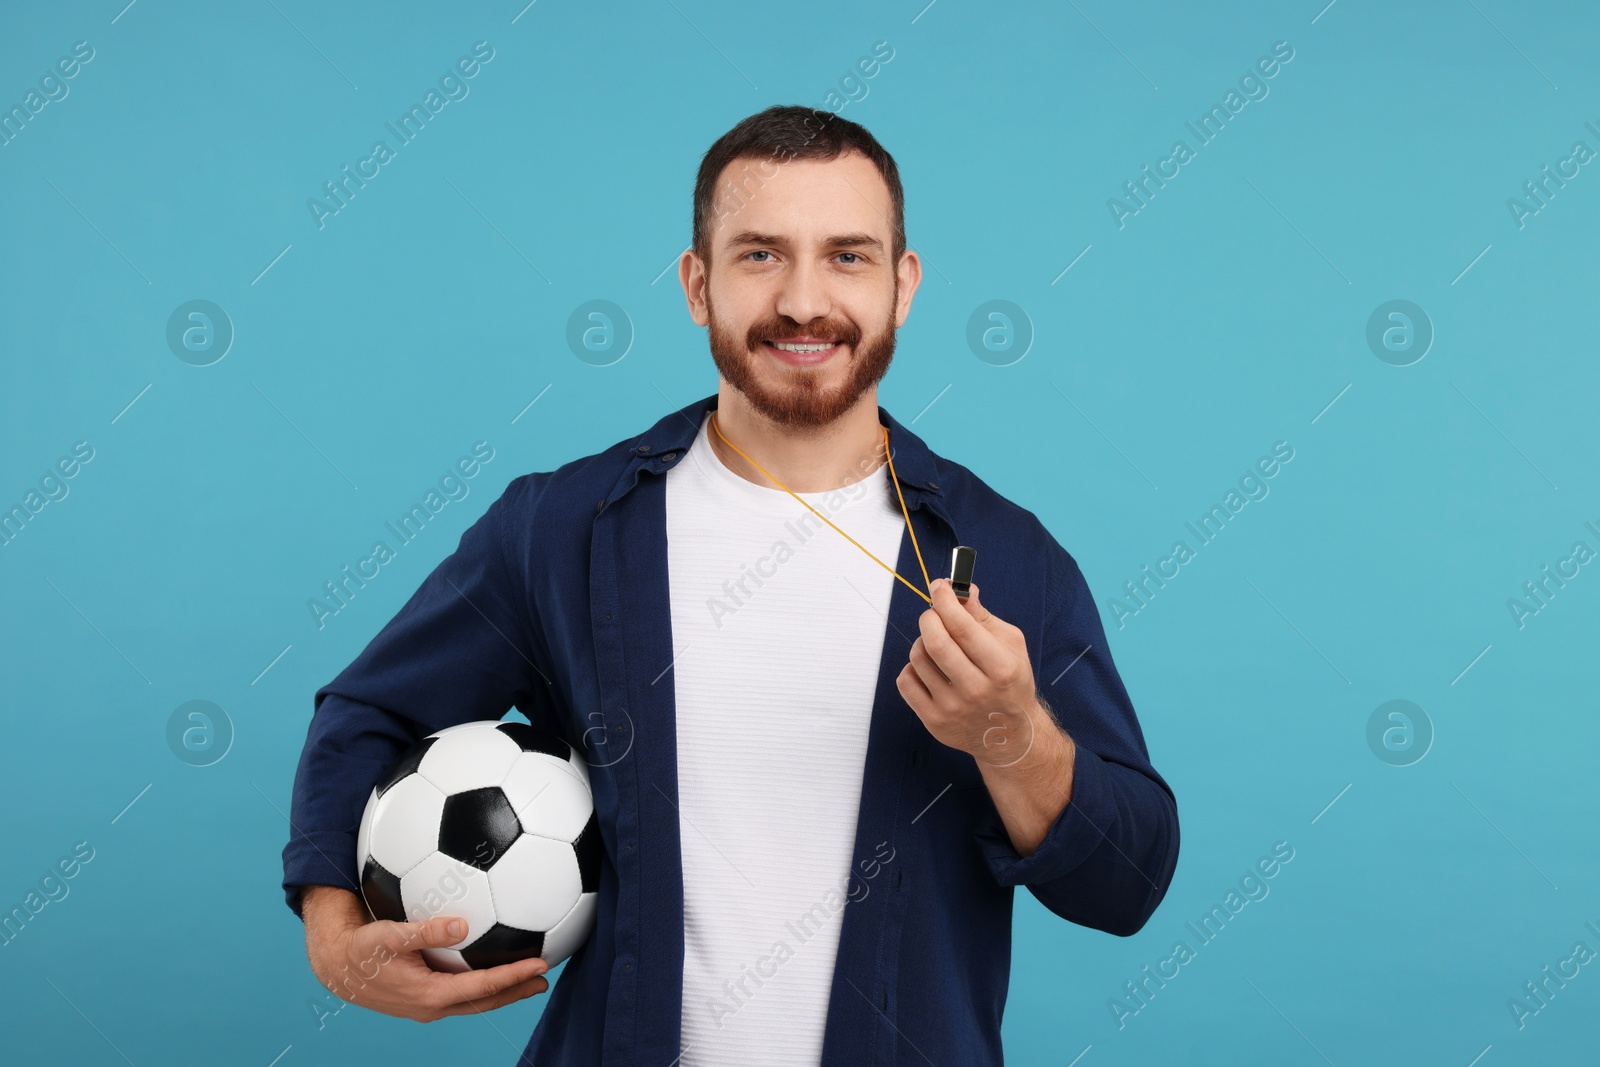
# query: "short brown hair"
[[786, 133]]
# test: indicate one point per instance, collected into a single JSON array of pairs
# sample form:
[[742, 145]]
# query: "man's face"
[[801, 259]]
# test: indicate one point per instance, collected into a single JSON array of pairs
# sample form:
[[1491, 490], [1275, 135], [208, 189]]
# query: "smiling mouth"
[[803, 354]]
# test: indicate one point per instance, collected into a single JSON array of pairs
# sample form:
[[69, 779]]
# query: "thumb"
[[975, 605], [440, 931]]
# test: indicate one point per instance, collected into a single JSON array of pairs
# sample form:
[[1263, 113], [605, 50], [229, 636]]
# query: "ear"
[[693, 276], [909, 274]]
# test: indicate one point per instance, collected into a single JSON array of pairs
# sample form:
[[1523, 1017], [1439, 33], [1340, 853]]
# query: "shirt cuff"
[[322, 857], [1076, 832]]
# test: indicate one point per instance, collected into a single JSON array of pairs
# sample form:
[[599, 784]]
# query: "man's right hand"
[[379, 964]]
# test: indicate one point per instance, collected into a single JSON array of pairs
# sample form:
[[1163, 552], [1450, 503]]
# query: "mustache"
[[843, 332]]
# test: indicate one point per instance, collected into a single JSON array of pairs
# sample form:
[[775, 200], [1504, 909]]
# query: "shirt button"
[[933, 485], [627, 966], [644, 450], [668, 457]]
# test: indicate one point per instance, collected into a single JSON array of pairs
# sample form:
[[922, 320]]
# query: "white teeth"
[[801, 348]]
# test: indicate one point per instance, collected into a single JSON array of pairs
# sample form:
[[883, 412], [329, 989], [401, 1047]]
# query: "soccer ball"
[[492, 821]]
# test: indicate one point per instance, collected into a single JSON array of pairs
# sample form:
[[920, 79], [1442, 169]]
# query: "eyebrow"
[[843, 240]]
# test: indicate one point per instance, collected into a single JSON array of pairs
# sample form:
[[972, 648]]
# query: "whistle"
[[962, 560]]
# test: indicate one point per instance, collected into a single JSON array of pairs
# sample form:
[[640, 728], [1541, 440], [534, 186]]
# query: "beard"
[[802, 402]]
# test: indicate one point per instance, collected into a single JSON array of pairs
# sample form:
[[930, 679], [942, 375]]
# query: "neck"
[[809, 460]]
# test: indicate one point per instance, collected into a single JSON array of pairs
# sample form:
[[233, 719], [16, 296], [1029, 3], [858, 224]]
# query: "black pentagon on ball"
[[589, 849], [478, 826], [381, 890], [533, 739], [406, 764], [502, 944]]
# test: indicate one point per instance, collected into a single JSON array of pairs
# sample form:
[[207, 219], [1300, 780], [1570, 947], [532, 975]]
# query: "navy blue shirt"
[[556, 603]]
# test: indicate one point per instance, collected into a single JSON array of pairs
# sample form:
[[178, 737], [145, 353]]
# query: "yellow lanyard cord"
[[846, 536]]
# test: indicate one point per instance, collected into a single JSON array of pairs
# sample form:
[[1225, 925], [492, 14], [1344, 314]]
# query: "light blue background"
[[1224, 317]]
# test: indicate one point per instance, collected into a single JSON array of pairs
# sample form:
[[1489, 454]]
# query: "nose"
[[804, 297]]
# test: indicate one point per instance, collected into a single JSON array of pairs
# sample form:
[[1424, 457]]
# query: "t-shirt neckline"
[[771, 497]]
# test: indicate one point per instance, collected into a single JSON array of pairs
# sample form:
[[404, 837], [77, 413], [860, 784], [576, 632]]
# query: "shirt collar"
[[661, 446]]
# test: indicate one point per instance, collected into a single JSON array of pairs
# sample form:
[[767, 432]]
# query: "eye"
[[758, 252], [854, 261]]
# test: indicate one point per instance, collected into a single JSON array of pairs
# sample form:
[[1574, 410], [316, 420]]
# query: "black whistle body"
[[962, 560]]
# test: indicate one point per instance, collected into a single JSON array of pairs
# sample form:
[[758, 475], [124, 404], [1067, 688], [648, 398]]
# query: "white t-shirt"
[[778, 626]]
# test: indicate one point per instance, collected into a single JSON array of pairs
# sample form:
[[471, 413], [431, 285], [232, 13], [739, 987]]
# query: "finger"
[[914, 692], [479, 985], [982, 648], [975, 607], [952, 659], [441, 931], [510, 996], [951, 685], [1005, 631], [947, 667], [932, 677], [386, 937], [520, 991]]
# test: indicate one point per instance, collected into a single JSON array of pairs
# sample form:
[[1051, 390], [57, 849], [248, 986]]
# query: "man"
[[818, 782]]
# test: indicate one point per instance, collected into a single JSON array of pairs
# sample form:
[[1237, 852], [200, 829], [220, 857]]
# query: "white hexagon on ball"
[[404, 827], [549, 798], [469, 756], [440, 885], [535, 883]]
